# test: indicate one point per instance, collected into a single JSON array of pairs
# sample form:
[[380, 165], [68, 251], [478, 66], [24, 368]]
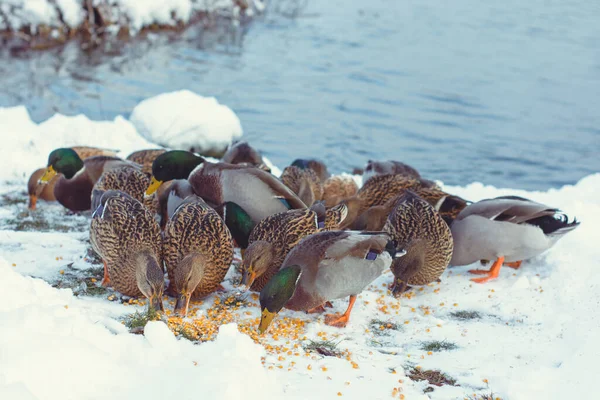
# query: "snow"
[[184, 120], [532, 333], [139, 14]]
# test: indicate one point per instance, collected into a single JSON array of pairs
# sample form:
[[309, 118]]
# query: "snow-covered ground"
[[530, 334]]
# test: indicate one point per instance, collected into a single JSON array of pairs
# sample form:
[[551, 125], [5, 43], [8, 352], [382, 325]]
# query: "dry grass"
[[464, 315], [326, 348], [434, 377], [437, 346]]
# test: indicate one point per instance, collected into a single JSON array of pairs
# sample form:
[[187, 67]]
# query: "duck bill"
[[182, 304], [32, 201], [153, 187], [155, 303], [248, 277], [48, 175], [265, 320]]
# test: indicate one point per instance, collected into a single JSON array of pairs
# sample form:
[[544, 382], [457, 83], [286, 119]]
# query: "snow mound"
[[49, 336], [26, 145], [185, 120]]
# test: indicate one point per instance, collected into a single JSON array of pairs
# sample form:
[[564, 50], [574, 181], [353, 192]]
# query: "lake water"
[[503, 93]]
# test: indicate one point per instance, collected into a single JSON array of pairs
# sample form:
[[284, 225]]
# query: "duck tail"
[[556, 225]]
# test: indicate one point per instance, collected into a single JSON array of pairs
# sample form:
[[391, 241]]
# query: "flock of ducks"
[[306, 238]]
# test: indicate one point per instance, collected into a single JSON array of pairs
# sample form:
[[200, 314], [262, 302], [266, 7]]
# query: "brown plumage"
[[318, 166], [45, 191], [304, 182], [271, 240], [335, 217], [377, 191], [415, 226], [145, 158], [124, 233], [128, 179], [448, 206], [338, 188], [198, 249]]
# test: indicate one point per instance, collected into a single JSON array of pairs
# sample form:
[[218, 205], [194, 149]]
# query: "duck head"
[[62, 161], [150, 280], [257, 259], [175, 164], [187, 276], [239, 222], [276, 293]]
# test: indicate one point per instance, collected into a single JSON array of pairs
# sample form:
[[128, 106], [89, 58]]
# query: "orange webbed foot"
[[491, 274], [515, 265], [316, 310], [337, 320], [106, 280]]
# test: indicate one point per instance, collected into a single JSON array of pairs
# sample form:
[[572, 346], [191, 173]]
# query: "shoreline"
[[23, 28]]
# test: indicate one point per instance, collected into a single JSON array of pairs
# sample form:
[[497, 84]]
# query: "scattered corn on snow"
[[530, 334]]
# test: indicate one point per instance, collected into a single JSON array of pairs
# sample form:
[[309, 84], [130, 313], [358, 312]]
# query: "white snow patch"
[[183, 119]]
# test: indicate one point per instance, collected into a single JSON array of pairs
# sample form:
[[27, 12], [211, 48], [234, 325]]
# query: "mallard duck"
[[145, 158], [240, 152], [124, 233], [128, 179], [326, 266], [271, 240], [198, 251], [420, 230], [389, 167], [45, 191], [259, 193], [377, 191], [318, 166], [506, 229], [74, 188], [337, 188], [304, 182]]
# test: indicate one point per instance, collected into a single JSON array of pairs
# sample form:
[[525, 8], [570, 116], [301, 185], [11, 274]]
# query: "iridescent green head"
[[175, 164], [276, 293], [239, 223], [62, 161]]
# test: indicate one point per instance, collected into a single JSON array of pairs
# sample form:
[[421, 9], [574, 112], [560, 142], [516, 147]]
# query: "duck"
[[507, 229], [240, 152], [326, 266], [304, 182], [419, 229], [317, 166], [271, 240], [198, 250], [337, 188], [127, 238], [129, 179], [389, 167], [258, 192], [145, 158], [377, 191], [45, 191], [73, 188]]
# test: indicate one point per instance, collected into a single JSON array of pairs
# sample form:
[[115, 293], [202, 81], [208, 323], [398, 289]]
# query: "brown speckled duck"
[[304, 182], [145, 158], [73, 188], [418, 228], [124, 233], [317, 166], [45, 191], [259, 193], [198, 251], [326, 266], [169, 196]]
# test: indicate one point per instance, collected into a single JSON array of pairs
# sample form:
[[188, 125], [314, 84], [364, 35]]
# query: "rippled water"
[[505, 94]]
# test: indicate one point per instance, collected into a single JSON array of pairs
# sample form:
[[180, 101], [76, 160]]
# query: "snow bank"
[[135, 14], [26, 145], [183, 120], [52, 346]]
